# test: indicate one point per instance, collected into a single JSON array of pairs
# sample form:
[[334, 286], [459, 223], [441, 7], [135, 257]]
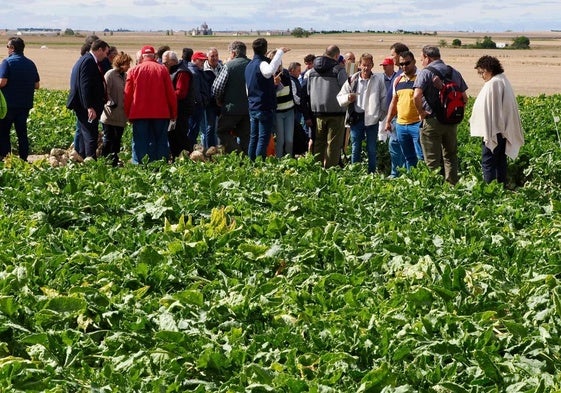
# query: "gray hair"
[[431, 52], [238, 48], [294, 65], [170, 55]]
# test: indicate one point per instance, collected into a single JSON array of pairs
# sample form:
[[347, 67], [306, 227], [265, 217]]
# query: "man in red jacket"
[[150, 104]]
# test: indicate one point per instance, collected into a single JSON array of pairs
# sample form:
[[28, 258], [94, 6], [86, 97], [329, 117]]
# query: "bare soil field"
[[532, 72]]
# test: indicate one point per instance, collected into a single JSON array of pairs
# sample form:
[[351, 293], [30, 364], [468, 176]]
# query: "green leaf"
[[452, 387], [8, 306], [66, 305], [515, 328], [488, 366], [190, 297], [375, 380]]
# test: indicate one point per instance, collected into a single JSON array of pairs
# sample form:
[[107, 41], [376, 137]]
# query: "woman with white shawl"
[[495, 117]]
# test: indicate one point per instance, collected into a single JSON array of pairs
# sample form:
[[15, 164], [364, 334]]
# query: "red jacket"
[[149, 93]]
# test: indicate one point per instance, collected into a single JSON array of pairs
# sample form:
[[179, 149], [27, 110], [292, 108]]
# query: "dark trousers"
[[194, 127], [178, 140], [493, 162], [17, 117], [233, 131], [112, 136], [89, 134]]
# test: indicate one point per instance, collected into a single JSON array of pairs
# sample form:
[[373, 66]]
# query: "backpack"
[[448, 105]]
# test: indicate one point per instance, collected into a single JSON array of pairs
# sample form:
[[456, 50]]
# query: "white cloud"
[[477, 15]]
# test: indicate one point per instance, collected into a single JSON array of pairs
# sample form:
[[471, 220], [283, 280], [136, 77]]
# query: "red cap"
[[199, 56], [147, 50], [387, 61]]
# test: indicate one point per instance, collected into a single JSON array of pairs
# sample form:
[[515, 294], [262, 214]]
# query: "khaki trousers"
[[440, 146], [329, 140]]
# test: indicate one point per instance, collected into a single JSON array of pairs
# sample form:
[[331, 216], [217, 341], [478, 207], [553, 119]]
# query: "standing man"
[[324, 83], [367, 92], [211, 69], [231, 96], [396, 155], [18, 81], [389, 76], [200, 92], [87, 96], [439, 140], [150, 103], [181, 80], [403, 105], [261, 94]]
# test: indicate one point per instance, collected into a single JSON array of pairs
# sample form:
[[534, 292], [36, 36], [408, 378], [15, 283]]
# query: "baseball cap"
[[147, 50], [387, 61], [199, 56]]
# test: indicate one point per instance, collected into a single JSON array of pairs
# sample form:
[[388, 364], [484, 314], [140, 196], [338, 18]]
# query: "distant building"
[[202, 30]]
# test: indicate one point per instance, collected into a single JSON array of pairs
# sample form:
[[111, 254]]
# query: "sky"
[[243, 15]]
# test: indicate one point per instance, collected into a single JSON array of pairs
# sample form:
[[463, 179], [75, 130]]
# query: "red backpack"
[[448, 105]]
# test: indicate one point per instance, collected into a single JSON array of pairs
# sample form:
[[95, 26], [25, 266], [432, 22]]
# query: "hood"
[[323, 64]]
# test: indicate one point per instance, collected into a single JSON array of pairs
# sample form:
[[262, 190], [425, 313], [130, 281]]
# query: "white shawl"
[[496, 111]]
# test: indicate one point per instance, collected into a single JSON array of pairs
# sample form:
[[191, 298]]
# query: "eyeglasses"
[[481, 72], [404, 64]]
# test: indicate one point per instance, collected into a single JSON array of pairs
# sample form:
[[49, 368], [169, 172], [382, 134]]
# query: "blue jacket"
[[87, 86], [261, 92]]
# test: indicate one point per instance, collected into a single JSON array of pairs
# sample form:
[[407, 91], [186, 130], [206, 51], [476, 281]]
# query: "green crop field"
[[279, 276]]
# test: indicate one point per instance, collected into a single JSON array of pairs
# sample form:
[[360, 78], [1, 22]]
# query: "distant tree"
[[456, 42], [69, 32], [487, 43], [300, 32], [521, 42], [443, 43]]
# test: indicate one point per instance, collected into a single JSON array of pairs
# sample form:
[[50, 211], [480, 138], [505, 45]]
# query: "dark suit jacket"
[[87, 88]]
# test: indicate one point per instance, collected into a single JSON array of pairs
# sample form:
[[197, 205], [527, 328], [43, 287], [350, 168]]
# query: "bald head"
[[333, 51]]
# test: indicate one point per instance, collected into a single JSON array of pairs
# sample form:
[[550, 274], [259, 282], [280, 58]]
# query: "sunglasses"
[[406, 63]]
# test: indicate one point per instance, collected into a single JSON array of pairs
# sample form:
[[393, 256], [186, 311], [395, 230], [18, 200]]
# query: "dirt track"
[[532, 72]]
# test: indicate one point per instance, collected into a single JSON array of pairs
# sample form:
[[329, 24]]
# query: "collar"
[[389, 78], [406, 78], [95, 58]]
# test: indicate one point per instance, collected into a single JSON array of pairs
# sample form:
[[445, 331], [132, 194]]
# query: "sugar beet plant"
[[232, 276]]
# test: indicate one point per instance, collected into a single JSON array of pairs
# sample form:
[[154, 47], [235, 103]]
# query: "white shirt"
[[268, 69]]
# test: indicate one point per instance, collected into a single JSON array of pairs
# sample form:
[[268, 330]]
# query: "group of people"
[[241, 103]]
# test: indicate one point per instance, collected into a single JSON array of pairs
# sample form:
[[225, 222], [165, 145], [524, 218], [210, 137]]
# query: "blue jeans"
[[494, 163], [211, 116], [396, 155], [359, 132], [261, 126], [194, 127], [284, 127], [77, 137], [17, 117], [149, 138], [408, 137]]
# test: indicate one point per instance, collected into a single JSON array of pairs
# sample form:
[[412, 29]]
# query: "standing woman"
[[113, 118], [284, 115], [495, 117]]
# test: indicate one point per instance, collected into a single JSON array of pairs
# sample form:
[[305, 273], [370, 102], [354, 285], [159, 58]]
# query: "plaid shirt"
[[219, 83]]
